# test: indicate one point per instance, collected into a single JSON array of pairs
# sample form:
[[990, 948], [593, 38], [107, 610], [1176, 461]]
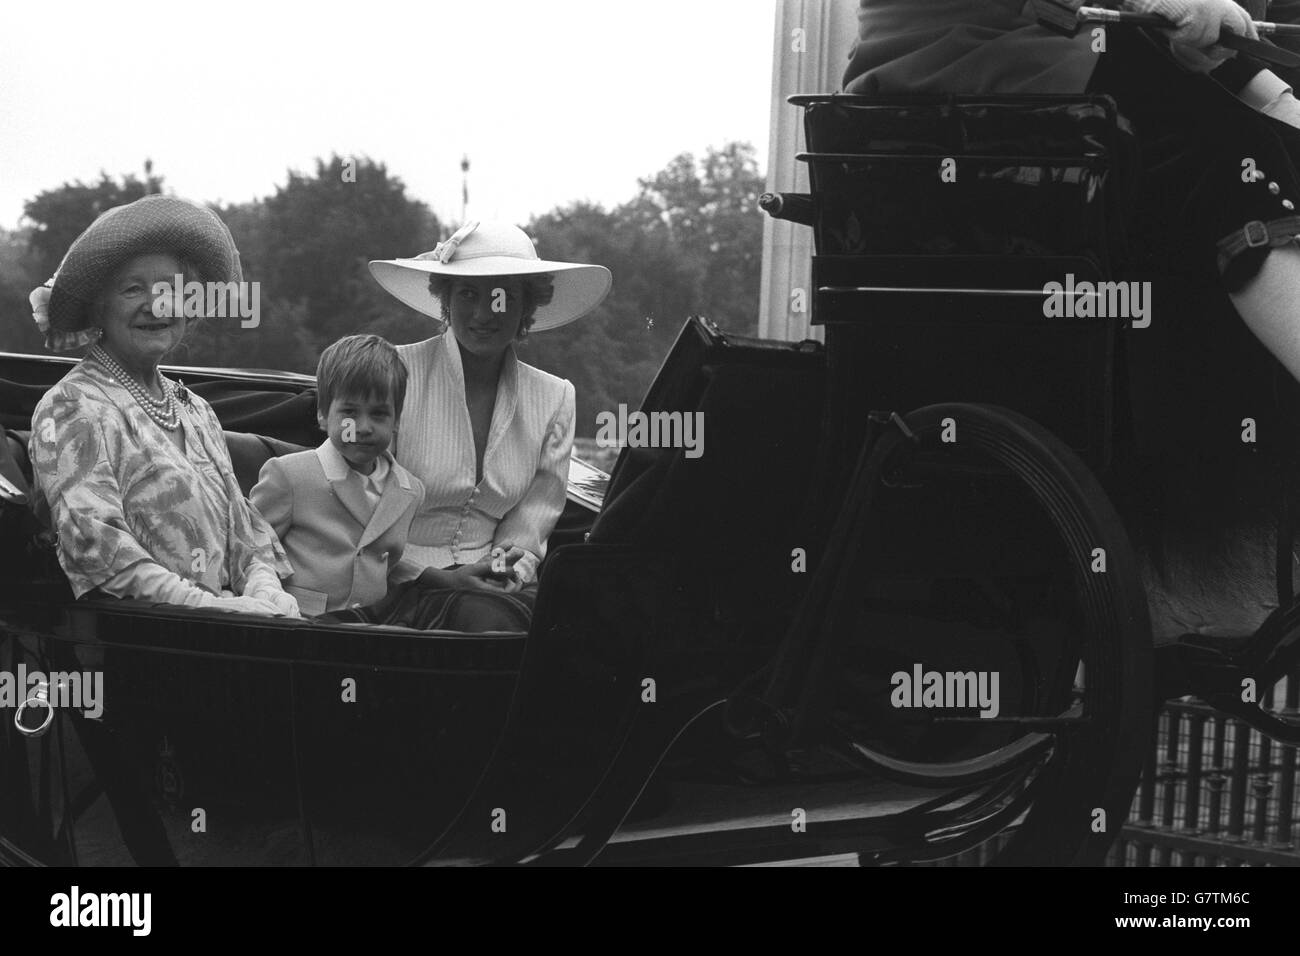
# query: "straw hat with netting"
[[62, 307]]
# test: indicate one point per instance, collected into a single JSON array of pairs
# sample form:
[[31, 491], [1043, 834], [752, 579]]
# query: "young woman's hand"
[[1197, 25], [477, 575], [504, 557]]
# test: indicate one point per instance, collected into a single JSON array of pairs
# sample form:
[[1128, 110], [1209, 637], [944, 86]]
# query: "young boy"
[[343, 511]]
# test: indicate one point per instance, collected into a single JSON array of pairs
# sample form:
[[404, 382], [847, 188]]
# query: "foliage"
[[689, 241], [59, 215]]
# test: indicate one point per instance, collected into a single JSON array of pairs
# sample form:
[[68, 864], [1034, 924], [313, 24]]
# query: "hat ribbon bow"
[[446, 250]]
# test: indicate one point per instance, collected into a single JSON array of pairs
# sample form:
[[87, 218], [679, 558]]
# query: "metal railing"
[[1215, 792]]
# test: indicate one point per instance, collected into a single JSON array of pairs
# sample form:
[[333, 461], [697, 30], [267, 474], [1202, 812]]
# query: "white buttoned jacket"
[[525, 464]]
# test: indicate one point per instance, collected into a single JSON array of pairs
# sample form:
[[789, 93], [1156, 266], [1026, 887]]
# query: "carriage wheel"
[[974, 541]]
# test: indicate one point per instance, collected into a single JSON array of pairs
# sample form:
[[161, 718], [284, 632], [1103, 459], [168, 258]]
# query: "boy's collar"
[[336, 467]]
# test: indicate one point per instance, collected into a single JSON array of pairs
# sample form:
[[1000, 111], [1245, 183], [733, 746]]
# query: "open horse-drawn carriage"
[[902, 606]]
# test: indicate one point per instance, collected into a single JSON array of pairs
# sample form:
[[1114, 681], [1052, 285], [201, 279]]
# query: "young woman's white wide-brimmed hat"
[[494, 249]]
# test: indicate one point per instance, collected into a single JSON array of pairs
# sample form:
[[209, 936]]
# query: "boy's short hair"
[[360, 365]]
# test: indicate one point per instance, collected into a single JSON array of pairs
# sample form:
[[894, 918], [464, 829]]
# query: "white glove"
[[282, 601], [262, 584], [1197, 26], [240, 605]]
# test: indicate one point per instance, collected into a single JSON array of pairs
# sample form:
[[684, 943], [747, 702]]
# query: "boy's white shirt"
[[336, 467]]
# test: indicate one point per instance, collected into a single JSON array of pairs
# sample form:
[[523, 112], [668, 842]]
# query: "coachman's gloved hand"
[[1197, 27]]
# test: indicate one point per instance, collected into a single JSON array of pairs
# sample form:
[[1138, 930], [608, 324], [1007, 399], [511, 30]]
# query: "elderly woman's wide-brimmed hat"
[[62, 307], [487, 249]]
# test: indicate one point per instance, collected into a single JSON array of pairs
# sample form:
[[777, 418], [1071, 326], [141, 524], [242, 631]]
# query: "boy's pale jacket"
[[339, 548]]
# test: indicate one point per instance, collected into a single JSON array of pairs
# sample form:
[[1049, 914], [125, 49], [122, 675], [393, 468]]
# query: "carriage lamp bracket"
[[895, 420]]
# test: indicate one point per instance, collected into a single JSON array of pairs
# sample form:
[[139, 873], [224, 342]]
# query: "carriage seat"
[[990, 176], [248, 453]]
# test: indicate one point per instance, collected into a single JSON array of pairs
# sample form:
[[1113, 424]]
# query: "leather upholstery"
[[248, 453]]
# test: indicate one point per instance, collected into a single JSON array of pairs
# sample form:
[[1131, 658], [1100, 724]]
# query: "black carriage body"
[[227, 740], [694, 605], [937, 226], [308, 743]]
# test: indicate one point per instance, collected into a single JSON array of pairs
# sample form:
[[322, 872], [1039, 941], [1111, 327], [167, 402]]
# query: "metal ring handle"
[[40, 698]]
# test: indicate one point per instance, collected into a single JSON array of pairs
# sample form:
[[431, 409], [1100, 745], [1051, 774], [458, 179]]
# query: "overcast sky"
[[552, 101]]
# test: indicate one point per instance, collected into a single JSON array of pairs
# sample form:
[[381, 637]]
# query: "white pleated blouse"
[[525, 465]]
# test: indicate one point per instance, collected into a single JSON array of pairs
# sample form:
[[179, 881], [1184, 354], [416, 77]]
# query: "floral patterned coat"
[[122, 497]]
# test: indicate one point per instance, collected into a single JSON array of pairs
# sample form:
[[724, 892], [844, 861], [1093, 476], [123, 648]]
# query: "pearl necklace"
[[163, 411]]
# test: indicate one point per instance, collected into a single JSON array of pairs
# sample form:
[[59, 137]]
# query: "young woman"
[[488, 435]]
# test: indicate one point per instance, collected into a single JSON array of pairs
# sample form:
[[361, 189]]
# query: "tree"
[[311, 241], [690, 242], [308, 247], [17, 279], [58, 216], [709, 209]]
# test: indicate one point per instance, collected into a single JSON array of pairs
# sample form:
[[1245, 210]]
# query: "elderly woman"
[[130, 468], [489, 436]]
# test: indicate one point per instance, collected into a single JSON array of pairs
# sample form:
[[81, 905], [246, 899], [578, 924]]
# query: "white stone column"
[[812, 45]]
